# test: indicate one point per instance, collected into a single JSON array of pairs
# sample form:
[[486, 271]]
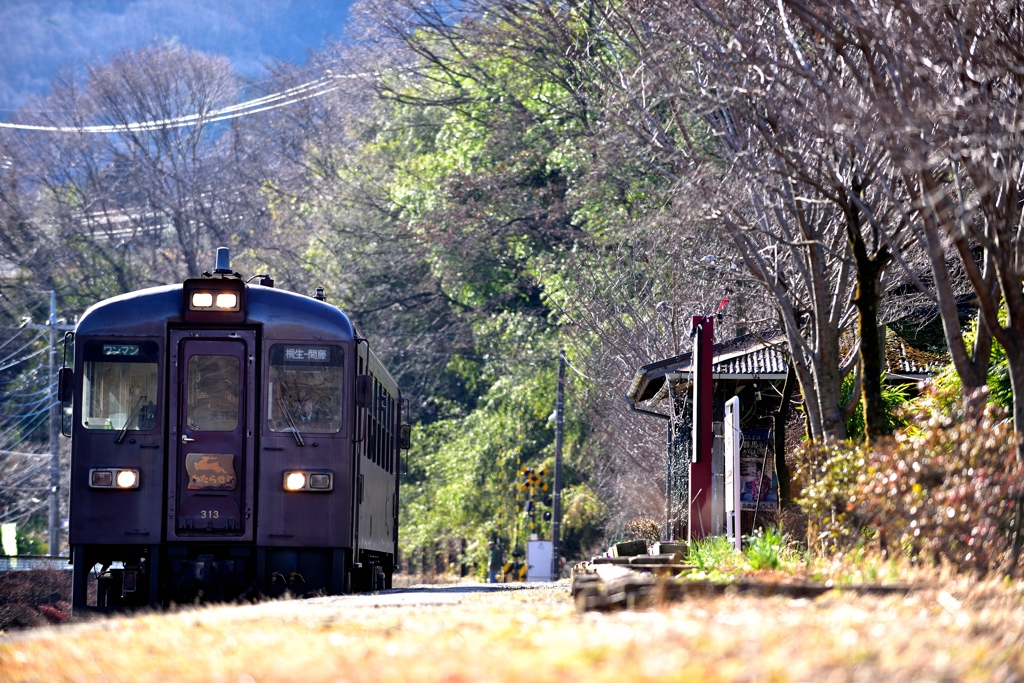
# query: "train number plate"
[[211, 471]]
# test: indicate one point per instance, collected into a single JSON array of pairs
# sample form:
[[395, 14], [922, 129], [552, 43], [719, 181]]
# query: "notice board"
[[759, 483]]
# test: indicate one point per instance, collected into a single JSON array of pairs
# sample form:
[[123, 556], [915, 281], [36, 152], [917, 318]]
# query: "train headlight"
[[127, 479], [227, 301], [309, 480], [202, 300], [218, 299], [113, 478]]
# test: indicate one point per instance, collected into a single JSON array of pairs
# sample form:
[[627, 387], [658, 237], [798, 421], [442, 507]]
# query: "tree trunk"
[[1013, 343], [868, 299], [872, 352], [938, 217]]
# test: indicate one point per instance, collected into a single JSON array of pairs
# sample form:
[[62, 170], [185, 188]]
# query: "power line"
[[292, 95], [24, 454], [10, 361]]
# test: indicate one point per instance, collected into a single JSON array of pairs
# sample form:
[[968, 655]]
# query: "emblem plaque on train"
[[211, 471]]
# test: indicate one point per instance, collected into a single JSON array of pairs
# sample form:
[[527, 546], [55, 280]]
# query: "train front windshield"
[[305, 388], [120, 385]]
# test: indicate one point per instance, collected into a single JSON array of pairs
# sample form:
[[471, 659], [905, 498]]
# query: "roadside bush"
[[948, 491], [944, 489], [644, 529], [34, 598], [827, 475]]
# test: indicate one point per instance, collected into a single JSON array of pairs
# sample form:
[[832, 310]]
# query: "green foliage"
[[463, 477], [485, 191], [715, 557], [767, 549], [893, 396], [482, 162], [827, 474], [31, 544], [948, 382], [582, 520]]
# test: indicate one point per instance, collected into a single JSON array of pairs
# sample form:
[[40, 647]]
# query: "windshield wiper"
[[124, 427], [291, 423]]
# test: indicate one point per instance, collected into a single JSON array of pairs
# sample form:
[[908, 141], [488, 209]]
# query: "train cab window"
[[304, 388], [213, 393], [120, 385]]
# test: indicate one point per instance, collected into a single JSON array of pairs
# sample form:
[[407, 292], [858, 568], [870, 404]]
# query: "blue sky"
[[39, 36]]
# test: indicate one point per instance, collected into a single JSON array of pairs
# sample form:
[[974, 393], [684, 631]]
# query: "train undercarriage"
[[109, 577]]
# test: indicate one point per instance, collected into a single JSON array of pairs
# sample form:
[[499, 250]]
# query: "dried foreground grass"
[[964, 632]]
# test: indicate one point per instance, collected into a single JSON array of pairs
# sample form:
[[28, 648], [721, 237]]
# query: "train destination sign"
[[120, 349], [307, 353], [114, 351]]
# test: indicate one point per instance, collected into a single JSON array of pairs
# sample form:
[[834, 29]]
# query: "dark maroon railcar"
[[229, 439]]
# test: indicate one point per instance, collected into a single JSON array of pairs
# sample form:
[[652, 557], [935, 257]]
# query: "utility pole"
[[556, 511], [55, 425]]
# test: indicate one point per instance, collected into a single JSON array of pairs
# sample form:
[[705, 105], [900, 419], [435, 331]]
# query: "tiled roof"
[[764, 357], [746, 356], [903, 359], [763, 360]]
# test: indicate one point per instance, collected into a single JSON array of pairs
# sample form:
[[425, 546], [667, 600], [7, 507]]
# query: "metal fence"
[[27, 562]]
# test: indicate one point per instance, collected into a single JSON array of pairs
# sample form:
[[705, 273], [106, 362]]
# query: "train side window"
[[380, 435], [213, 393], [120, 385], [305, 388]]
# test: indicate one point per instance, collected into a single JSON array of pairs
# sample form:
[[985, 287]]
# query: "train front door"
[[211, 489]]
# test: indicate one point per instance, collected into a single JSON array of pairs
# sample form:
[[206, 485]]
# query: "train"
[[229, 440]]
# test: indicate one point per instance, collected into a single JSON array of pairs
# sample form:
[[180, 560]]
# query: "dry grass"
[[34, 598], [404, 580], [963, 631]]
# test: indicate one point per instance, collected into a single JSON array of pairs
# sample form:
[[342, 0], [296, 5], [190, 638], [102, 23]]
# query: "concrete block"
[[665, 548], [629, 548]]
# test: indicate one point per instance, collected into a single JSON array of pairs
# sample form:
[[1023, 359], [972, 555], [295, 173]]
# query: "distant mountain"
[[37, 37]]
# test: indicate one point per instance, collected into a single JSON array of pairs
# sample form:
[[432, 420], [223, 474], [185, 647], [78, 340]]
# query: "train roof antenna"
[[223, 260]]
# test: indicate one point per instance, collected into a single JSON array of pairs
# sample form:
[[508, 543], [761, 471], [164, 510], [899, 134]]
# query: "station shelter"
[[754, 368]]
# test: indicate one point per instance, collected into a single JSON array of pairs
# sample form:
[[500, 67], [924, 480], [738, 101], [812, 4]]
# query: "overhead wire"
[[35, 422], [24, 454], [10, 405], [17, 334], [7, 364], [10, 361], [7, 395], [17, 506], [298, 93]]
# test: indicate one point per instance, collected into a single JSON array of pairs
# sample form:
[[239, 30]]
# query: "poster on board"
[[759, 483]]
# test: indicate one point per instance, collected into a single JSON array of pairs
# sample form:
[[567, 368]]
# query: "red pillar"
[[703, 438]]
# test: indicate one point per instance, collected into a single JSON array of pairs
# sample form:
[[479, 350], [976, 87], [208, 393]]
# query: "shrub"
[[644, 529], [949, 491], [33, 598], [827, 474], [944, 489]]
